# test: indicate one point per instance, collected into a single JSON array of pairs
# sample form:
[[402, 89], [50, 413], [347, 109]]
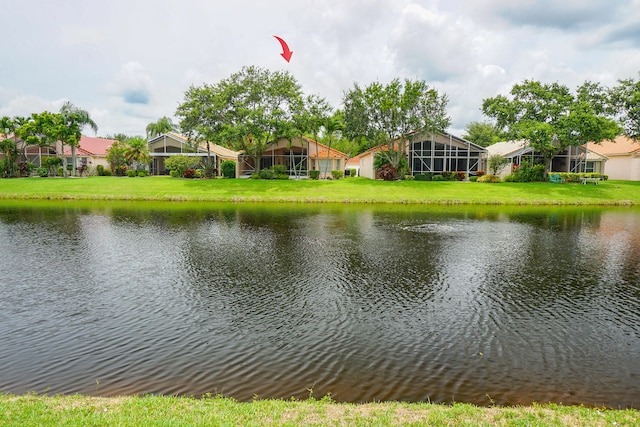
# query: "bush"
[[388, 173], [279, 169], [448, 176], [267, 174], [131, 173], [228, 168], [314, 174], [60, 171], [43, 172], [473, 178], [107, 172], [180, 164], [438, 178], [409, 178], [337, 174], [26, 168], [255, 176], [190, 173], [352, 172], [427, 176], [143, 173], [121, 170], [461, 176], [282, 176], [174, 174], [480, 172], [100, 170], [526, 172], [489, 178]]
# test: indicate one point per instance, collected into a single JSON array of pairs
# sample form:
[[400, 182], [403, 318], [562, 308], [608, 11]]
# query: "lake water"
[[483, 305]]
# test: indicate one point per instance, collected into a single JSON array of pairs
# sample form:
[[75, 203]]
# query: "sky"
[[128, 63]]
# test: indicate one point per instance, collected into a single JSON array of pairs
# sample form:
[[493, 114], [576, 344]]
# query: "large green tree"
[[160, 126], [482, 133], [626, 99], [393, 114], [74, 119], [551, 118], [251, 109]]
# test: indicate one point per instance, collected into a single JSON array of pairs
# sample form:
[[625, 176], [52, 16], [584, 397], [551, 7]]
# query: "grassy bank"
[[32, 410], [355, 190]]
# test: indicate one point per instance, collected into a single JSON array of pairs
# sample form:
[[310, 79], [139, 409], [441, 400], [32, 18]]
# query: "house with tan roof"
[[174, 144], [299, 155], [429, 153], [572, 159], [624, 158]]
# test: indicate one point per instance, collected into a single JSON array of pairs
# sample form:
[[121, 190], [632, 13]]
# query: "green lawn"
[[353, 190], [32, 410]]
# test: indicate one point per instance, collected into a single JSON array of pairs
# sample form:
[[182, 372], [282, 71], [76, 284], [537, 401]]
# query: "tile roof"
[[621, 146], [90, 146]]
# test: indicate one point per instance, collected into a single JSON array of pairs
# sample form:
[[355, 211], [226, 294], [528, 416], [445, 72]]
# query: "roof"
[[323, 150], [505, 148], [89, 146], [620, 146], [214, 148]]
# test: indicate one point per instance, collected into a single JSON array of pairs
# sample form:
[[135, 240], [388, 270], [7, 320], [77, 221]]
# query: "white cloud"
[[132, 83]]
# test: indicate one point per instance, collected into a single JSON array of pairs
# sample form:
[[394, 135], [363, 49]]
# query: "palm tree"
[[331, 126], [163, 125], [137, 151], [74, 119]]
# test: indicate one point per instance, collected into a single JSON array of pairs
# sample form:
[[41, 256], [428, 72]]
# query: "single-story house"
[[90, 152], [174, 144], [624, 158], [572, 159], [429, 153], [299, 155]]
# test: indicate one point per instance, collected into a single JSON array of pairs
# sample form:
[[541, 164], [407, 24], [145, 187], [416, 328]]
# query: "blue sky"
[[129, 62]]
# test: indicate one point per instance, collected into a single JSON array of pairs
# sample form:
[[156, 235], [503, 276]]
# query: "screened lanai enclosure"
[[443, 152]]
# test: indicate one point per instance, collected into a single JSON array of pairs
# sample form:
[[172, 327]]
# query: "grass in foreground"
[[351, 190], [34, 410]]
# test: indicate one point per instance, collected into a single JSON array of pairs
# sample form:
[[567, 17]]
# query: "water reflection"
[[481, 305]]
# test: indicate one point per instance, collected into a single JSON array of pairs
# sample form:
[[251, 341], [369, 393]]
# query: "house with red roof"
[[90, 152]]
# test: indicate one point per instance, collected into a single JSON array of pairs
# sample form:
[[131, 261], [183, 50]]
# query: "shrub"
[[60, 171], [121, 170], [448, 176], [489, 178], [26, 168], [526, 172], [107, 172], [438, 178], [143, 173], [174, 173], [388, 173], [351, 172], [43, 172], [473, 178], [461, 176], [228, 168], [279, 169], [409, 178], [282, 176], [480, 172], [208, 167], [180, 164], [267, 174], [337, 174], [313, 174], [255, 176], [100, 170], [427, 176], [496, 162], [131, 173], [190, 173]]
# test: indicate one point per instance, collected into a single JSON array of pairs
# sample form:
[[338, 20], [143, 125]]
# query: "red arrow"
[[286, 53]]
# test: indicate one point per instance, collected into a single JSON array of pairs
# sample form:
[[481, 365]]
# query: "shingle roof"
[[89, 146], [619, 147]]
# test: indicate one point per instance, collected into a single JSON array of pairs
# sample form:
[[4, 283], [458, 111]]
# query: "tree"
[[626, 100], [496, 162], [331, 126], [265, 106], [116, 157], [136, 151], [551, 118], [392, 114], [9, 149], [162, 125], [74, 120], [482, 133]]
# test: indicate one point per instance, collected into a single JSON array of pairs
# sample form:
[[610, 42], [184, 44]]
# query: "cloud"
[[132, 83]]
